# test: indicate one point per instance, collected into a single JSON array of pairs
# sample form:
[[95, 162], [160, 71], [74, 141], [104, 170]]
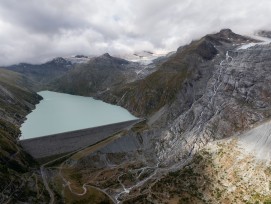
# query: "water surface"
[[59, 112]]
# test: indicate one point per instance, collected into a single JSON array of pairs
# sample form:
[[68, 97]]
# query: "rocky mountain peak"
[[107, 58], [228, 36], [226, 31], [106, 55], [264, 33], [59, 60]]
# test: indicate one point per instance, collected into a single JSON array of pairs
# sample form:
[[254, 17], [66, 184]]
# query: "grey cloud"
[[39, 16], [34, 31]]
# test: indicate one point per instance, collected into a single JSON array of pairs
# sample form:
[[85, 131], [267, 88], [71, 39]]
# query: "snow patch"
[[264, 41], [143, 58], [78, 59], [257, 141]]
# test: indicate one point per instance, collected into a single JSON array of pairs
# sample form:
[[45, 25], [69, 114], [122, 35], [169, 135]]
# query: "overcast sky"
[[38, 30]]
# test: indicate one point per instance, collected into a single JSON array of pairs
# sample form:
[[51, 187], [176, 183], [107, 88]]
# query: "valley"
[[205, 137]]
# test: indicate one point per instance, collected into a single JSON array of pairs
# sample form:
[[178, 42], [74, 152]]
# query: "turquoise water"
[[59, 112]]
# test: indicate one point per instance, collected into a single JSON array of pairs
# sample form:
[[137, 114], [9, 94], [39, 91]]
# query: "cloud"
[[35, 31]]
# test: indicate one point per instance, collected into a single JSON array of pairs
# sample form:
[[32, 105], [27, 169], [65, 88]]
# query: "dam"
[[63, 123], [63, 143]]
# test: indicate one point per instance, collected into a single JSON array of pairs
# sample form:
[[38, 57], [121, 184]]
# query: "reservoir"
[[59, 112]]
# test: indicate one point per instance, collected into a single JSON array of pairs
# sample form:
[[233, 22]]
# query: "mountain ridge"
[[203, 48]]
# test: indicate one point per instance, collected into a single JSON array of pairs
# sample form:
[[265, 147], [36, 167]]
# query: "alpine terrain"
[[204, 136]]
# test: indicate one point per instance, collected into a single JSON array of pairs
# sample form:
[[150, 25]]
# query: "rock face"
[[237, 96], [208, 90]]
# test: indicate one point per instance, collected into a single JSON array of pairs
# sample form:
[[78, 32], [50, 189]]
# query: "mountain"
[[17, 169], [42, 74], [97, 75], [191, 65], [195, 103], [264, 33], [205, 138]]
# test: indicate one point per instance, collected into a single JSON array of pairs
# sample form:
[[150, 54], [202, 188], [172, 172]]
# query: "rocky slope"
[[19, 183], [232, 170], [187, 70], [221, 172], [236, 96], [207, 91]]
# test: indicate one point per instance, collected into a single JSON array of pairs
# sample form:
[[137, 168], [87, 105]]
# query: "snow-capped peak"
[[78, 59]]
